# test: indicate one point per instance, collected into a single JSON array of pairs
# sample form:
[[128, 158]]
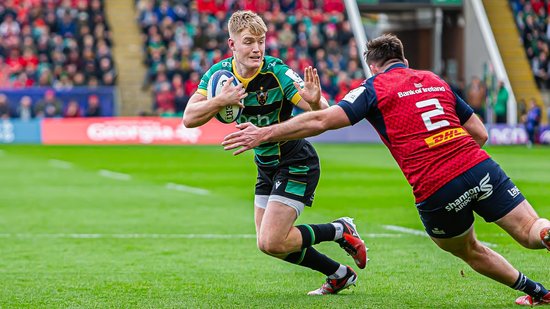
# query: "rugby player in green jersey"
[[288, 171]]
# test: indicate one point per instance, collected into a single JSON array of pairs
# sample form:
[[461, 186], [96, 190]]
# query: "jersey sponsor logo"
[[354, 94], [514, 192], [258, 120], [444, 136], [419, 90], [295, 77], [484, 188], [261, 96]]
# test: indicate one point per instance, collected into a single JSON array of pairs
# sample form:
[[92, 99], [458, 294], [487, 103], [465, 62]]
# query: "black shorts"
[[294, 178], [484, 189]]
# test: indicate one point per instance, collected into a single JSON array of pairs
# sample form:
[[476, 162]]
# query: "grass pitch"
[[172, 227]]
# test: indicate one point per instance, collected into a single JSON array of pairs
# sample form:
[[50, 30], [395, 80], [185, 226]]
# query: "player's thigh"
[[277, 221], [458, 245], [518, 221], [258, 216]]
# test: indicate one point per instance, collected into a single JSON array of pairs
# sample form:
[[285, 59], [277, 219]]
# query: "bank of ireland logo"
[[485, 187], [261, 96]]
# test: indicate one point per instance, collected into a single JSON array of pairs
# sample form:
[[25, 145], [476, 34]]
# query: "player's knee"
[[466, 251], [271, 246]]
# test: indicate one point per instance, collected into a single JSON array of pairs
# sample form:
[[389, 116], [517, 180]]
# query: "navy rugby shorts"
[[484, 189]]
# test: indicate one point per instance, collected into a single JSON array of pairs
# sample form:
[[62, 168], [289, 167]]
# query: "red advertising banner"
[[131, 130]]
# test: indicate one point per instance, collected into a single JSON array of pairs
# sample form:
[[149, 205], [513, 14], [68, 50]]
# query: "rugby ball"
[[230, 113]]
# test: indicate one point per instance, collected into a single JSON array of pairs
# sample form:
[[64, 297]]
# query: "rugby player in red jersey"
[[436, 140]]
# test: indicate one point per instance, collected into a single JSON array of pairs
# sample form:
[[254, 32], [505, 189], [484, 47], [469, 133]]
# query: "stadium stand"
[[59, 44], [182, 39]]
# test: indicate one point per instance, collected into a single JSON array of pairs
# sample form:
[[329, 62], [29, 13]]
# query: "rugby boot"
[[352, 243], [527, 300], [333, 286]]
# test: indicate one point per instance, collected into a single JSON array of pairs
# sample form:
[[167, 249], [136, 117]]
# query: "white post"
[[358, 32], [495, 57]]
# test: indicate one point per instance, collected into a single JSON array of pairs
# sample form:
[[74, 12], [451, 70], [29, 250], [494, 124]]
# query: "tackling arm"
[[303, 125]]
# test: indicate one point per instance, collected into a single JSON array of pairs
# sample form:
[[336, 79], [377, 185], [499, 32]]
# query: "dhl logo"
[[444, 136]]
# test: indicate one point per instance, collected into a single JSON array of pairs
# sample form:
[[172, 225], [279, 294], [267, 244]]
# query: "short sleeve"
[[463, 110], [287, 77], [359, 102]]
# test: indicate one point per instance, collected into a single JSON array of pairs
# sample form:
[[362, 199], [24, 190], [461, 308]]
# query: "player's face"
[[248, 50]]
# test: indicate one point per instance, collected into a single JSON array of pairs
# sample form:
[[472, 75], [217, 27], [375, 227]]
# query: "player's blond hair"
[[241, 20]]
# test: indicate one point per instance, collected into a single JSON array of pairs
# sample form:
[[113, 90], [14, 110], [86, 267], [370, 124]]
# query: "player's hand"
[[247, 138], [311, 92], [231, 94]]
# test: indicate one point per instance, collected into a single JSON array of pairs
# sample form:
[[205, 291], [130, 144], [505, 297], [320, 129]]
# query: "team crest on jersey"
[[261, 96]]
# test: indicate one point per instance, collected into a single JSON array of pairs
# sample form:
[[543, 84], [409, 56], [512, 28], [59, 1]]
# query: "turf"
[[72, 238]]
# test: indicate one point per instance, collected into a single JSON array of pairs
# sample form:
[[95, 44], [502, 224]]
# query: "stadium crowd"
[[532, 20], [58, 44], [182, 39]]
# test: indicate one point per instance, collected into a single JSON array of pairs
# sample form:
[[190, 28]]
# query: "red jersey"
[[419, 118]]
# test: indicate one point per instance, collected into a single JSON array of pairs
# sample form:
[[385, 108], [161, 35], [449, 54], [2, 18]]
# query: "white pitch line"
[[60, 164], [405, 230], [188, 189], [420, 233], [114, 175], [150, 236]]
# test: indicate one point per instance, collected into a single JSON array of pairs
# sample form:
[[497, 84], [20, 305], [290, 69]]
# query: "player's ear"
[[373, 69], [231, 44], [406, 62]]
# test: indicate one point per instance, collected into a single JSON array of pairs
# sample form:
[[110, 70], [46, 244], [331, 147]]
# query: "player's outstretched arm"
[[303, 125], [200, 110], [312, 98], [476, 129]]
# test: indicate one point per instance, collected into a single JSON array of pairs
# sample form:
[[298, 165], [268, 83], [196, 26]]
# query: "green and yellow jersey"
[[271, 99]]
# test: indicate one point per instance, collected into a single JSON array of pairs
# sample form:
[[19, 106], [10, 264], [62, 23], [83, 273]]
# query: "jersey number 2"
[[426, 116]]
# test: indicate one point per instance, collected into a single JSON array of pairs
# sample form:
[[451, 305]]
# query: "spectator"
[[164, 97], [540, 69], [24, 111], [94, 108], [501, 103], [4, 107], [180, 96], [532, 122], [475, 96], [192, 83], [72, 110], [9, 27], [49, 106]]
